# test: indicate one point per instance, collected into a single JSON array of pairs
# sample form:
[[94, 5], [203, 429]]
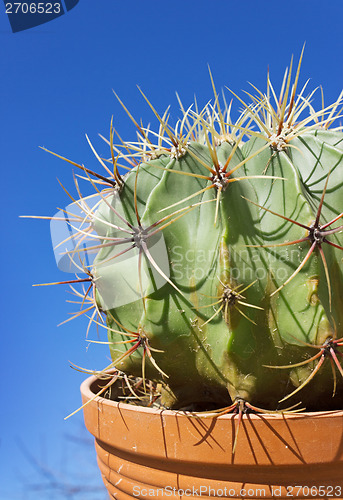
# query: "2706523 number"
[[314, 491], [32, 8]]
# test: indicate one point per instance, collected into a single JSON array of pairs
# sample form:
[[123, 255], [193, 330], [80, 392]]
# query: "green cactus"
[[219, 262]]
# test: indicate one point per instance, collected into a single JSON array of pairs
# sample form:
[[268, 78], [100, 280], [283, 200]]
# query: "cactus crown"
[[216, 259]]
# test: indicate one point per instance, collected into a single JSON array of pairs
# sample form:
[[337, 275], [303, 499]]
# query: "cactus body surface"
[[219, 268]]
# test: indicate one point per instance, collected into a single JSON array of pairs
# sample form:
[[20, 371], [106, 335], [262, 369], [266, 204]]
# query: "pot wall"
[[145, 453]]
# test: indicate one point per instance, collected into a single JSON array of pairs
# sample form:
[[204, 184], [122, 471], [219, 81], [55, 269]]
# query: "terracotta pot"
[[145, 453]]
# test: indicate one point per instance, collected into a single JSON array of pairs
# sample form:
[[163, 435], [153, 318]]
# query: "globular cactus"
[[219, 258]]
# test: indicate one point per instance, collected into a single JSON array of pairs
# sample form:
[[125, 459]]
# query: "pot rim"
[[89, 395]]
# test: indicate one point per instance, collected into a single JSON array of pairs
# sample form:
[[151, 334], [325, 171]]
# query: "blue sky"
[[56, 86]]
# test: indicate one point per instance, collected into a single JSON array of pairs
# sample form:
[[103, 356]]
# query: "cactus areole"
[[217, 256]]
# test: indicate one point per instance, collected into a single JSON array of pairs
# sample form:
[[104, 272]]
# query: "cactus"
[[218, 267]]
